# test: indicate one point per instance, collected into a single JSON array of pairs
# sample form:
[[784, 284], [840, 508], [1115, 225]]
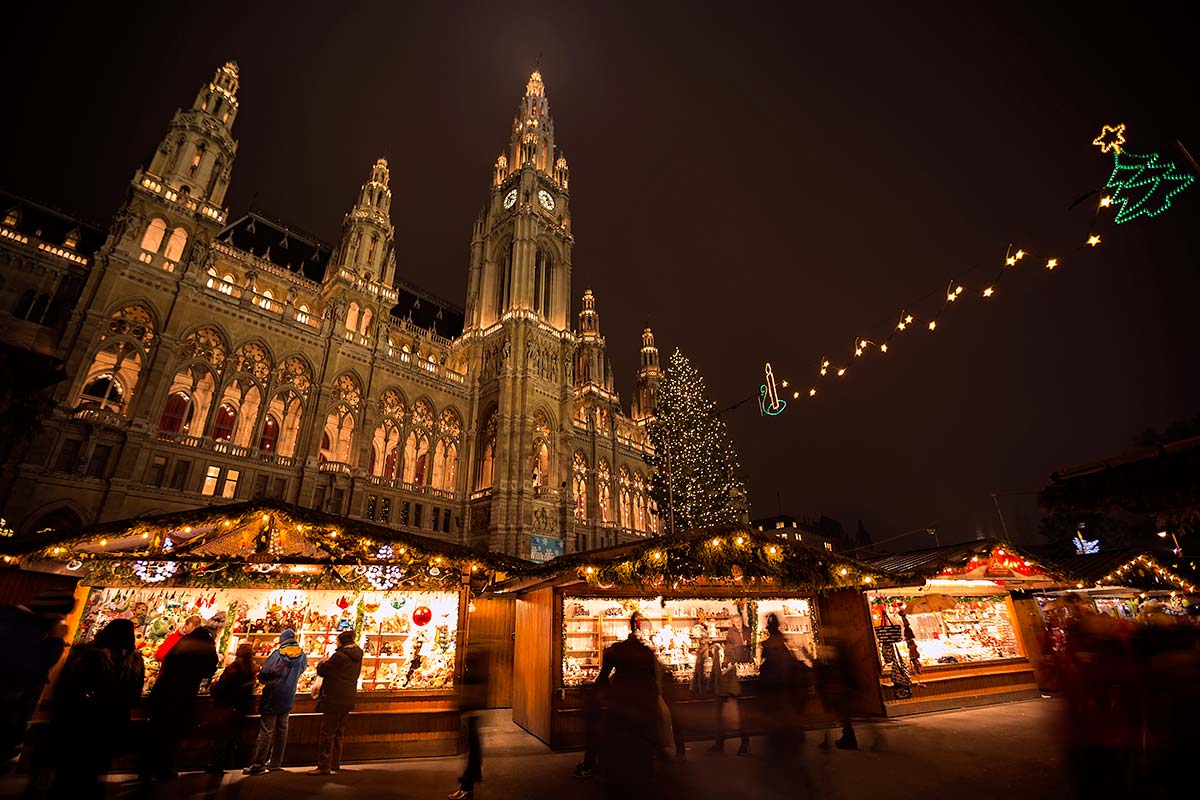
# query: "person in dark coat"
[[33, 644], [101, 681], [233, 699], [339, 689], [172, 702], [630, 732], [779, 675], [279, 676], [472, 698]]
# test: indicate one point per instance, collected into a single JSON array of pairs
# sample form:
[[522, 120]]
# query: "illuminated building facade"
[[211, 359]]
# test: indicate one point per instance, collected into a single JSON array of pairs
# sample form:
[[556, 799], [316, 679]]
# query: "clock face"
[[546, 199], [510, 199]]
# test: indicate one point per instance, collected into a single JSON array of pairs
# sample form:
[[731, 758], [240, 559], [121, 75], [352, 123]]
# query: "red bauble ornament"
[[421, 616]]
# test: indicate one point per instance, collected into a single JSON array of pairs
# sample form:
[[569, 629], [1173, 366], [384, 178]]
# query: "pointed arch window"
[[177, 413], [270, 434], [504, 286], [579, 484], [197, 159], [541, 283], [352, 317], [225, 422], [152, 238], [175, 245]]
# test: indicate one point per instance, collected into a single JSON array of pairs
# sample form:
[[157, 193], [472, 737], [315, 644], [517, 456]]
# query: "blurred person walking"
[[279, 676], [89, 725], [839, 690], [172, 703], [233, 699], [630, 729], [339, 688], [33, 644], [783, 681], [725, 686], [472, 699]]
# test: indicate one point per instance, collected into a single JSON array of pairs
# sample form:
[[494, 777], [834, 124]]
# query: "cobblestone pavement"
[[1001, 751]]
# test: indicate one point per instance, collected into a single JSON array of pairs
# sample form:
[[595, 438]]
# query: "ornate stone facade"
[[208, 360]]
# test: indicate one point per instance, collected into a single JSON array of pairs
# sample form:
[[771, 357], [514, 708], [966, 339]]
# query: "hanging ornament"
[[154, 571], [398, 602], [343, 603], [421, 616], [371, 604]]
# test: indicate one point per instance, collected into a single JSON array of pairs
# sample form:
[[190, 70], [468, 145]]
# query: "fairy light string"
[[1139, 186]]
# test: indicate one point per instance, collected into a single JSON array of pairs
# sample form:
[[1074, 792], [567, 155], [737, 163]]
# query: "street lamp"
[[1164, 534]]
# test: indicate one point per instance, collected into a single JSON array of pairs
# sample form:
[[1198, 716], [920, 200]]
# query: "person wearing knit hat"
[[33, 644], [339, 687], [279, 676]]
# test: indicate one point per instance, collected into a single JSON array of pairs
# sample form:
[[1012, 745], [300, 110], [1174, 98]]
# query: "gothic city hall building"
[[207, 358]]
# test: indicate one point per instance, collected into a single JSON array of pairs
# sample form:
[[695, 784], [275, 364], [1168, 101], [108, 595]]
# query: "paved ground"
[[1006, 751]]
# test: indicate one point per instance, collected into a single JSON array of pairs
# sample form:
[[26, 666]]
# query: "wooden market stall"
[[691, 589], [958, 627], [266, 566]]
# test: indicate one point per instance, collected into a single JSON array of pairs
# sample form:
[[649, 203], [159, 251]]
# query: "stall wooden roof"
[[722, 558]]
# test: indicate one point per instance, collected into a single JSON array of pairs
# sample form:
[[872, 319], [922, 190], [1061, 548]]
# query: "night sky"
[[757, 183]]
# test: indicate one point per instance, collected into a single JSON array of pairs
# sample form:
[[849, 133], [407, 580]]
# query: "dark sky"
[[760, 182]]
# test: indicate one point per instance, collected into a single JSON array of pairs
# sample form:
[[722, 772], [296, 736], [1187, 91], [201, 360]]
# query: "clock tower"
[[518, 329]]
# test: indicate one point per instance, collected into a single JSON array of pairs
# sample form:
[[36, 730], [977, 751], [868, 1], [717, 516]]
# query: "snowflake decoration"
[[154, 571], [384, 578]]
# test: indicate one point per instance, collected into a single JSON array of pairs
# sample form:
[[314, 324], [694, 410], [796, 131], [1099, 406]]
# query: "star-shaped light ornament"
[[1111, 138]]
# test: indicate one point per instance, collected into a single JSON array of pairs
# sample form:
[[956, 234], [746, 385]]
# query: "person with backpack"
[[279, 676]]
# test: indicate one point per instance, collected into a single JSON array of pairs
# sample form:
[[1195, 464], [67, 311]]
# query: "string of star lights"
[[1146, 565], [262, 544], [1139, 186]]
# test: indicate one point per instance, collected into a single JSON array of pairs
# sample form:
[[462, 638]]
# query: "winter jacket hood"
[[280, 674]]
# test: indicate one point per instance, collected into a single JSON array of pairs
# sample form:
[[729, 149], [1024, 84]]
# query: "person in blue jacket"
[[278, 676]]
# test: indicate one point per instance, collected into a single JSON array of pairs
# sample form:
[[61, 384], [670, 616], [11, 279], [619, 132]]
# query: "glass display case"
[[408, 637], [683, 633], [968, 629]]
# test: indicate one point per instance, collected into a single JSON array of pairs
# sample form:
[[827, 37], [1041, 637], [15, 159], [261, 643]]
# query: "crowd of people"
[[632, 719], [1132, 692], [101, 683]]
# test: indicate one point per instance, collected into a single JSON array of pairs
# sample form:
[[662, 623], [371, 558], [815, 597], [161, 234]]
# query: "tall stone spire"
[[649, 376], [366, 248], [196, 155], [532, 140]]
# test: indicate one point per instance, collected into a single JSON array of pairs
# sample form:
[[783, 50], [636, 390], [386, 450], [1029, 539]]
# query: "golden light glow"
[[858, 351], [104, 542], [812, 392], [716, 542], [795, 395], [739, 540], [1011, 261], [591, 570], [988, 292], [1052, 263], [1019, 255], [772, 549], [657, 556], [933, 324], [145, 536], [909, 319], [1093, 240], [845, 571], [841, 372], [902, 326], [883, 347], [228, 523], [1111, 138], [266, 517], [783, 384], [1105, 201]]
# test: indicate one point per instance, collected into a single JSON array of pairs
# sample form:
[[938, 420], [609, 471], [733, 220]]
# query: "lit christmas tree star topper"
[[1111, 138]]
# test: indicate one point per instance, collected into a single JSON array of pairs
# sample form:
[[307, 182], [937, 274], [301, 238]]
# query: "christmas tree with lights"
[[696, 479]]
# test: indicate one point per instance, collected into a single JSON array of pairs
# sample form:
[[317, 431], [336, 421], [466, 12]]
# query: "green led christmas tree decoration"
[[696, 479], [1141, 185]]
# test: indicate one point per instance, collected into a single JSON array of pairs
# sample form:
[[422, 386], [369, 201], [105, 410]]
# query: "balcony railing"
[[99, 416], [414, 488], [335, 467], [226, 448]]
